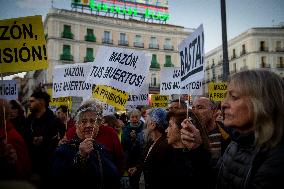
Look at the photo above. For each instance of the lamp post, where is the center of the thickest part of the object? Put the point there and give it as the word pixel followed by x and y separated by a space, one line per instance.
pixel 224 41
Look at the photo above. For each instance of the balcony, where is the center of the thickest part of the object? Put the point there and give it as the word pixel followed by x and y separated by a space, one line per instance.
pixel 90 38
pixel 67 34
pixel 154 89
pixel 207 68
pixel 107 41
pixel 89 59
pixel 220 62
pixel 278 49
pixel 153 46
pixel 280 65
pixel 243 52
pixel 264 65
pixel 233 71
pixel 233 57
pixel 123 43
pixel 67 57
pixel 169 47
pixel 138 44
pixel 263 49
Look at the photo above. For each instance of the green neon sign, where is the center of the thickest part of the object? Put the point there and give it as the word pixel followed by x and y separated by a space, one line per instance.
pixel 128 10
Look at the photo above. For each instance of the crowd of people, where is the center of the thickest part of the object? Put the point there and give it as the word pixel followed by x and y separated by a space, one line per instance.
pixel 237 143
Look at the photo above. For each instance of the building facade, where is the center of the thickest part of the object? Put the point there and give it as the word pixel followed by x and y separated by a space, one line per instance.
pixel 256 48
pixel 75 37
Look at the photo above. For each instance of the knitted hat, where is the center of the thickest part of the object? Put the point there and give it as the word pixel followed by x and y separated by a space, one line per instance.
pixel 159 116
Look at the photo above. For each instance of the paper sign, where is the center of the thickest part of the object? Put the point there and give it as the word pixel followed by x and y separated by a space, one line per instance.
pixel 23 46
pixel 191 52
pixel 159 101
pixel 8 89
pixel 217 91
pixel 123 69
pixel 111 96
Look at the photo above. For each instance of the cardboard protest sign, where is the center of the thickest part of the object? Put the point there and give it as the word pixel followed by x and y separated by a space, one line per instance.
pixel 159 101
pixel 217 91
pixel 56 102
pixel 137 98
pixel 69 80
pixel 111 96
pixel 123 69
pixel 23 46
pixel 108 109
pixel 170 83
pixel 8 89
pixel 191 52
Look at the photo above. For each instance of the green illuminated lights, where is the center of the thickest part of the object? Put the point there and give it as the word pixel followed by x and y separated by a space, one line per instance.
pixel 131 11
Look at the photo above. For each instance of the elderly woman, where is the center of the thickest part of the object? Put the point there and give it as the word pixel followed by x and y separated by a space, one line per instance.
pixel 82 161
pixel 187 166
pixel 157 152
pixel 254 108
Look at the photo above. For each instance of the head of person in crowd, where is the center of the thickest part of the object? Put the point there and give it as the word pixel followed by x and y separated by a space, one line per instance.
pixel 175 118
pixel 17 109
pixel 255 103
pixel 88 119
pixel 62 113
pixel 204 108
pixel 112 121
pixel 123 118
pixel 177 104
pixel 156 120
pixel 134 117
pixel 39 102
pixel 218 113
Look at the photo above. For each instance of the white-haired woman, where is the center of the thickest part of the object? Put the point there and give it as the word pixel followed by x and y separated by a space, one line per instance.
pixel 82 161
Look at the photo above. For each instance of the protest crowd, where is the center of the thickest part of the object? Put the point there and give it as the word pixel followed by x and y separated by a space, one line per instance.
pixel 237 143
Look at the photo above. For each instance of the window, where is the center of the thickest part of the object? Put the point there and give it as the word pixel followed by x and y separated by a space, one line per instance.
pixel 153 43
pixel 67 32
pixel 66 53
pixel 278 45
pixel 243 49
pixel 107 37
pixel 89 55
pixel 138 41
pixel 122 39
pixel 168 44
pixel 262 46
pixel 154 62
pixel 90 35
pixel 234 53
pixel 168 62
pixel 153 80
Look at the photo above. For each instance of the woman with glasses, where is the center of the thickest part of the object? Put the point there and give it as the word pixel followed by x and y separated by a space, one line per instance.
pixel 82 161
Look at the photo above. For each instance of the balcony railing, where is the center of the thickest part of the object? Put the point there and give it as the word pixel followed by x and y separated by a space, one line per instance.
pixel 107 41
pixel 153 46
pixel 138 44
pixel 263 49
pixel 264 65
pixel 244 68
pixel 278 49
pixel 168 47
pixel 67 35
pixel 243 52
pixel 90 38
pixel 123 42
pixel 67 57
pixel 89 59
pixel 233 57
pixel 280 65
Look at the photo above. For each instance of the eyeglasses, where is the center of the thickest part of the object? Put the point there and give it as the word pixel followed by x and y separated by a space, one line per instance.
pixel 92 121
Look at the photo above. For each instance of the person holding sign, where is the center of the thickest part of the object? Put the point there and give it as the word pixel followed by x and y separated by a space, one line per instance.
pixel 82 162
pixel 14 158
pixel 187 166
pixel 254 109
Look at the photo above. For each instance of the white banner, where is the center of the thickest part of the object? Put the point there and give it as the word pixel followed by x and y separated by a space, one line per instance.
pixel 191 52
pixel 139 97
pixel 8 89
pixel 121 68
pixel 69 80
pixel 170 83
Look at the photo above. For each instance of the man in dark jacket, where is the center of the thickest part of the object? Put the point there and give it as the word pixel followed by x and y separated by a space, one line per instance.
pixel 43 132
